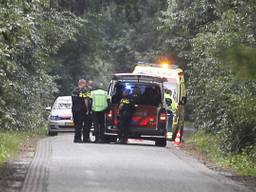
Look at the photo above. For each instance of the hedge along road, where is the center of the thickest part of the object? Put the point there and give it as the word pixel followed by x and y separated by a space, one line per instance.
pixel 60 165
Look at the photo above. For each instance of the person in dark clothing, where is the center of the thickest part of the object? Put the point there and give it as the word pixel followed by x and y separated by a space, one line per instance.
pixel 90 87
pixel 125 112
pixel 79 109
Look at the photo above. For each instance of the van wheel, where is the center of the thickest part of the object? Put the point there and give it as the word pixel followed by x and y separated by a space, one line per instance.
pixel 161 142
pixel 52 133
pixel 110 138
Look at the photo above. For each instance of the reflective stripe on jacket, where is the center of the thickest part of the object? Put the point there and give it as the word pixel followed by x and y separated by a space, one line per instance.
pixel 171 103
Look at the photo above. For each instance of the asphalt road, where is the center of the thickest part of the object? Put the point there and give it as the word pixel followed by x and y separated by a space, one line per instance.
pixel 62 166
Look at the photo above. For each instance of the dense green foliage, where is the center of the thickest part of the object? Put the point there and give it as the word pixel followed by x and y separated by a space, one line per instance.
pixel 113 40
pixel 217 39
pixel 30 32
pixel 208 143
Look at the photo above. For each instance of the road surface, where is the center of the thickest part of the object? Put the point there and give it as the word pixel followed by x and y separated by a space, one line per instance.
pixel 62 166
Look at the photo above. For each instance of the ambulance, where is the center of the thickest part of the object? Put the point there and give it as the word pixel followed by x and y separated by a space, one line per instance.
pixel 176 84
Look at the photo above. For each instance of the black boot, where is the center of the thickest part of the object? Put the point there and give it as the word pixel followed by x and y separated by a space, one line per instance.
pixel 121 141
pixel 86 140
pixel 77 140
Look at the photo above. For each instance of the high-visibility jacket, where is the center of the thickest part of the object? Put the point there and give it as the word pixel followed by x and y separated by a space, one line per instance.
pixel 85 95
pixel 99 100
pixel 171 103
pixel 128 105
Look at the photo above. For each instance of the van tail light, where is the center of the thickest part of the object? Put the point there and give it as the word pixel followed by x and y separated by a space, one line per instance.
pixel 110 114
pixel 163 116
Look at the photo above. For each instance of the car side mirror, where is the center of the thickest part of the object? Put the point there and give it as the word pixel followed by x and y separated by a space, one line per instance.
pixel 183 100
pixel 48 109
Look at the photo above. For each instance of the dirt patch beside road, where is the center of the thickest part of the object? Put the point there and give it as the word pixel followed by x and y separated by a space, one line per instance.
pixel 13 172
pixel 248 181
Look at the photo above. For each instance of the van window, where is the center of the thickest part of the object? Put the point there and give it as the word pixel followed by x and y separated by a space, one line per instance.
pixel 141 93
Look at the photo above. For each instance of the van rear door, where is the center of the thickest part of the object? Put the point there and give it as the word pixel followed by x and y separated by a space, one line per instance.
pixel 147 100
pixel 144 116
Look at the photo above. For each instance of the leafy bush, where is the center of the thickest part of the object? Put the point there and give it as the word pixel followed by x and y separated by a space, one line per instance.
pixel 210 144
pixel 217 40
pixel 30 32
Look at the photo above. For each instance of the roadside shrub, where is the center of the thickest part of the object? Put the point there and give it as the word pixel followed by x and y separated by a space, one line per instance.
pixel 31 32
pixel 244 163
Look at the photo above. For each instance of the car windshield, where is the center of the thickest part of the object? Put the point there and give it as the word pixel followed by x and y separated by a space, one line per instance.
pixel 141 93
pixel 62 105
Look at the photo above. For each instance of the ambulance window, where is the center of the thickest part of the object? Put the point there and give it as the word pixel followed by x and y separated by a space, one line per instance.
pixel 174 88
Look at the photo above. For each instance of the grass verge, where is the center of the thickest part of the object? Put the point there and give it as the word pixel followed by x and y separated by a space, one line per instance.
pixel 11 141
pixel 243 164
pixel 188 123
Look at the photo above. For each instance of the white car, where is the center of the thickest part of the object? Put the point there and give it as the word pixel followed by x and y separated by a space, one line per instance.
pixel 60 118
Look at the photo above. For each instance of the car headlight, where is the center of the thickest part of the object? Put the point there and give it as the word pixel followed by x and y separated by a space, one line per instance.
pixel 54 117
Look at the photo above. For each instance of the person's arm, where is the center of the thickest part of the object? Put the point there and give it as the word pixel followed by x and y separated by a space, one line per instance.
pixel 75 92
pixel 173 106
pixel 88 101
pixel 108 99
pixel 120 108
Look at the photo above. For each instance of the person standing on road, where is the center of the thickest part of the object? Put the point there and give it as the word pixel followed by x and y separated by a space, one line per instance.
pixel 90 88
pixel 171 108
pixel 79 110
pixel 100 103
pixel 90 85
pixel 124 112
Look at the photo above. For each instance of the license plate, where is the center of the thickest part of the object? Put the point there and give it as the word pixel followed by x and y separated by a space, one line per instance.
pixel 69 124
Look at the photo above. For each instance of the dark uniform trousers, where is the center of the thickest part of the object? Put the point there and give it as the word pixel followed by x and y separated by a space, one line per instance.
pixel 99 124
pixel 81 119
pixel 123 128
pixel 170 121
pixel 82 125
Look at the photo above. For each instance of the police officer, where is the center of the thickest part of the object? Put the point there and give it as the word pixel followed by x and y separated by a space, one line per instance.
pixel 90 85
pixel 90 88
pixel 125 112
pixel 79 110
pixel 100 104
pixel 171 109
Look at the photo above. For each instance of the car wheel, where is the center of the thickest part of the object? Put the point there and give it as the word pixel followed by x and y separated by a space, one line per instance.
pixel 52 133
pixel 110 138
pixel 161 142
